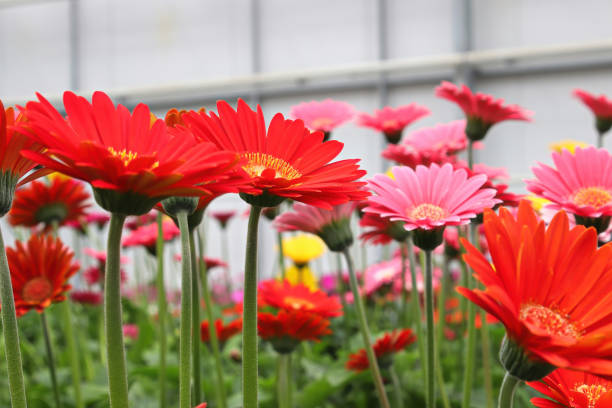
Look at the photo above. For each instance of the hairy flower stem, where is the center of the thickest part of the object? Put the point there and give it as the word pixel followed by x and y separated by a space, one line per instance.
pixel 404 317
pixel 225 256
pixel 249 331
pixel 185 330
pixel 283 381
pixel 281 254
pixel 113 321
pixel 50 359
pixel 11 333
pixel 161 311
pixel 74 353
pixel 600 139
pixel 431 357
pixel 195 323
pixel 416 304
pixel 365 332
pixel 398 400
pixel 212 331
pixel 506 392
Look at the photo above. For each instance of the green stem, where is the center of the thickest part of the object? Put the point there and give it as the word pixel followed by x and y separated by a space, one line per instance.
pixel 404 318
pixel 89 370
pixel 486 359
pixel 74 353
pixel 195 323
pixel 365 332
pixel 249 331
pixel 11 333
pixel 506 392
pixel 431 359
pixel 214 341
pixel 225 255
pixel 398 400
pixel 470 349
pixel 113 321
pixel 281 255
pixel 161 311
pixel 185 330
pixel 442 300
pixel 470 154
pixel 50 359
pixel 416 304
pixel 600 139
pixel 283 381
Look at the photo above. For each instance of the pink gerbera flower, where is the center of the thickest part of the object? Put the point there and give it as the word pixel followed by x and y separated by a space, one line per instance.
pixel 437 144
pixel 392 121
pixel 325 115
pixel 332 226
pixel 428 199
pixel 580 184
pixel 379 230
pixel 481 110
pixel 601 107
pixel 223 216
pixel 146 235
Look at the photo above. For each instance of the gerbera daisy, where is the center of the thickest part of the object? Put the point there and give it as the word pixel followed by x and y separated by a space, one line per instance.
pixel 569 145
pixel 572 389
pixel 332 226
pixel 382 274
pixel 135 222
pixel 146 235
pixel 601 107
pixel 131 331
pixel 287 161
pixel 86 297
pixel 296 275
pixel 59 200
pixel 40 271
pixel 380 230
pixel 392 121
pixel 563 321
pixel 579 185
pixel 481 110
pixel 223 216
pixel 384 348
pixel 323 116
pixel 288 328
pixel 283 295
pixel 131 163
pixel 224 331
pixel 429 198
pixel 303 248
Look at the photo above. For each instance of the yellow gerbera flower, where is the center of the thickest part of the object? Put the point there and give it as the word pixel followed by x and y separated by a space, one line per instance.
pixel 537 202
pixel 303 248
pixel 567 144
pixel 303 275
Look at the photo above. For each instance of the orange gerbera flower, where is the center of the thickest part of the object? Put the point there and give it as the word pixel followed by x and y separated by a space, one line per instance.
pixel 62 199
pixel 131 162
pixel 572 389
pixel 550 289
pixel 384 348
pixel 287 329
pixel 40 270
pixel 288 297
pixel 286 161
pixel 224 331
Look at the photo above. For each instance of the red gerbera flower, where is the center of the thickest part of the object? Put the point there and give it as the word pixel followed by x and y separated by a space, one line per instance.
pixel 601 107
pixel 381 230
pixel 384 348
pixel 86 297
pixel 61 200
pixel 40 270
pixel 392 121
pixel 284 295
pixel 224 331
pixel 223 216
pixel 565 319
pixel 481 110
pixel 572 389
pixel 131 163
pixel 286 161
pixel 146 235
pixel 292 327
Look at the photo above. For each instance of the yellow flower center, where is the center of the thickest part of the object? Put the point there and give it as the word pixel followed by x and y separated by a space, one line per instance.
pixel 37 290
pixel 595 197
pixel 592 392
pixel 298 303
pixel 125 155
pixel 320 123
pixel 551 321
pixel 257 163
pixel 427 211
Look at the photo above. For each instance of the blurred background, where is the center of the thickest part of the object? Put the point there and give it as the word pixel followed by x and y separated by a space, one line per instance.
pixel 277 53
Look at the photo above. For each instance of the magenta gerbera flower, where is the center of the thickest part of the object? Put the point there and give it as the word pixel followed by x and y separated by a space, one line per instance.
pixel 380 230
pixel 325 115
pixel 481 110
pixel 437 144
pixel 601 107
pixel 392 121
pixel 580 184
pixel 429 198
pixel 333 226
